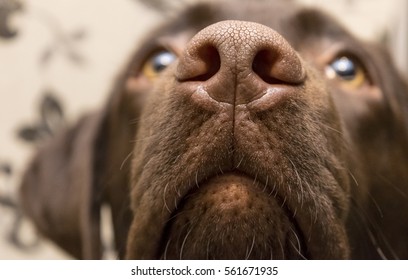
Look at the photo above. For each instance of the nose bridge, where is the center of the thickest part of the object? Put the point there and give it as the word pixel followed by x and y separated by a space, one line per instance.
pixel 235 41
pixel 238 61
pixel 239 42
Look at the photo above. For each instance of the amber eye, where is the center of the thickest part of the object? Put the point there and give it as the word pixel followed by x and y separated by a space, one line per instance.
pixel 348 70
pixel 157 62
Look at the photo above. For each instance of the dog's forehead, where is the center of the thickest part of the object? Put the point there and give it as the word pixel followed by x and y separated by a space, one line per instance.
pixel 294 22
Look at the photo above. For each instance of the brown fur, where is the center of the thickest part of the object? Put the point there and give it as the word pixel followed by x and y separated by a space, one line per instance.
pixel 241 148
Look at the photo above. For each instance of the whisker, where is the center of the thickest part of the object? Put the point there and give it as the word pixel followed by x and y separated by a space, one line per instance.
pixel 282 250
pixel 294 212
pixel 125 160
pixel 184 243
pixel 175 203
pixel 176 215
pixel 299 247
pixel 176 159
pixel 248 254
pixel 376 205
pixel 208 250
pixel 256 178
pixel 164 198
pixel 352 176
pixel 266 184
pixel 221 171
pixel 315 203
pixel 273 190
pixel 177 191
pixel 239 163
pixel 284 201
pixel 134 121
pixel 166 249
pixel 196 179
pixel 300 197
pixel 374 242
pixel 366 221
pixel 395 188
pixel 326 126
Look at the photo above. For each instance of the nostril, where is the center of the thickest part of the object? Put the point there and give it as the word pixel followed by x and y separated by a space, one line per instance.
pixel 278 65
pixel 262 65
pixel 210 56
pixel 203 64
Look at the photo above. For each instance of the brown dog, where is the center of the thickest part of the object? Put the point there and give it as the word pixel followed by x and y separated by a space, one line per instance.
pixel 258 130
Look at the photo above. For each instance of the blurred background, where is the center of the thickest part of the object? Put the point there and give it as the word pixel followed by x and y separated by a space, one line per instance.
pixel 58 59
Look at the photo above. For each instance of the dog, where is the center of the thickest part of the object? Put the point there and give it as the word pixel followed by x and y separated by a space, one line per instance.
pixel 262 130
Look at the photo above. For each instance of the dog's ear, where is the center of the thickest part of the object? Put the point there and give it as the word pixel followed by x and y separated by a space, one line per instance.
pixel 59 191
pixel 76 171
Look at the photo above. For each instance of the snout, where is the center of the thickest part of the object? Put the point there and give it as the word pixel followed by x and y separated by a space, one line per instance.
pixel 238 62
pixel 233 159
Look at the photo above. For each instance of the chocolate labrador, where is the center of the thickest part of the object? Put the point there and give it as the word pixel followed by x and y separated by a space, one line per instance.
pixel 258 130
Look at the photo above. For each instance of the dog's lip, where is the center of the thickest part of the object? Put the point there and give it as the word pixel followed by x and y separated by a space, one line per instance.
pixel 291 215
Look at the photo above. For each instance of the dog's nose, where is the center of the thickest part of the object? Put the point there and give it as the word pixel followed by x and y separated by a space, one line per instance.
pixel 238 62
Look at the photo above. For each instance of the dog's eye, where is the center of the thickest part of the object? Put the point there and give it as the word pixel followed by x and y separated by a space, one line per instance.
pixel 157 62
pixel 347 69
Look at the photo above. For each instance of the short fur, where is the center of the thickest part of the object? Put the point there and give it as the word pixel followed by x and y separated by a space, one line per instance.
pixel 241 148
